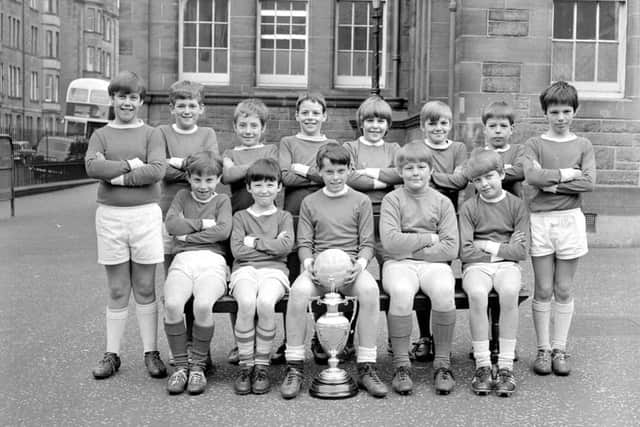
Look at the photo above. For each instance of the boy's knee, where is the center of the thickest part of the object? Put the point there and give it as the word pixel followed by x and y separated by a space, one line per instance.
pixel 477 297
pixel 265 308
pixel 173 308
pixel 442 298
pixel 400 303
pixel 202 309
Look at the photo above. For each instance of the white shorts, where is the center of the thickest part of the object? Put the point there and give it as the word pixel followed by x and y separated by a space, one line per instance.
pixel 510 275
pixel 561 232
pixel 200 263
pixel 129 233
pixel 167 240
pixel 258 275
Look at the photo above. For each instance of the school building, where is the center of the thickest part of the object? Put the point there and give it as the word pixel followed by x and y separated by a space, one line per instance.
pixel 466 53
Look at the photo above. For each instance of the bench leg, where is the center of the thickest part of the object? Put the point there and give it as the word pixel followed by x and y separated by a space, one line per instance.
pixel 494 319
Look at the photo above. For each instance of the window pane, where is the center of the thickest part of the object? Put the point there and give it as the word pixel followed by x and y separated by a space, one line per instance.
pixel 283 20
pixel 220 61
pixel 282 62
pixel 267 5
pixel 189 60
pixel 266 29
pixel 190 10
pixel 205 35
pixel 220 39
pixel 586 26
pixel 344 64
pixel 344 38
pixel 562 60
pixel 297 5
pixel 361 13
pixel 266 62
pixel 282 44
pixel 267 19
pixel 282 29
pixel 298 29
pixel 297 44
pixel 267 43
pixel 204 60
pixel 189 34
pixel 221 11
pixel 360 38
pixel 344 12
pixel 299 20
pixel 585 62
pixel 297 62
pixel 360 64
pixel 206 10
pixel 563 20
pixel 608 62
pixel 608 24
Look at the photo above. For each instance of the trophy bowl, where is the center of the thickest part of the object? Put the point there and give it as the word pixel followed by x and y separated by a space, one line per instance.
pixel 332 268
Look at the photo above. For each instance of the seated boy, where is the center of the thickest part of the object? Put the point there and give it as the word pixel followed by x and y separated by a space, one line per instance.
pixel 494 236
pixel 261 238
pixel 335 217
pixel 200 221
pixel 420 236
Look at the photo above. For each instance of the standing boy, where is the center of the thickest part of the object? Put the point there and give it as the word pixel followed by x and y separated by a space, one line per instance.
pixel 560 166
pixel 261 238
pixel 130 165
pixel 446 177
pixel 200 221
pixel 335 217
pixel 249 123
pixel 420 237
pixel 494 236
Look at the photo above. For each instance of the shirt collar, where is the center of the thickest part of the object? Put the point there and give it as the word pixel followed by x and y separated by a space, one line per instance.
pixel 444 146
pixel 338 194
pixel 500 150
pixel 304 137
pixel 371 144
pixel 176 129
pixel 137 124
pixel 569 137
pixel 265 213
pixel 497 199
pixel 245 147
pixel 203 201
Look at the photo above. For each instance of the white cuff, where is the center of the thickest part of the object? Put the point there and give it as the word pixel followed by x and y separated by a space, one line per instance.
pixel 508 166
pixel 363 263
pixel 176 162
pixel 249 241
pixel 378 185
pixel 207 223
pixel 372 172
pixel 567 174
pixel 492 247
pixel 303 169
pixel 306 264
pixel 435 238
pixel 118 180
pixel 182 238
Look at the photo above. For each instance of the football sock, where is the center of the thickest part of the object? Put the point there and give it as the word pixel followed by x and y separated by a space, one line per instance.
pixel 201 341
pixel 443 324
pixel 400 334
pixel 294 353
pixel 177 339
pixel 245 341
pixel 366 355
pixel 507 353
pixel 481 353
pixel 264 339
pixel 116 322
pixel 562 314
pixel 541 321
pixel 147 315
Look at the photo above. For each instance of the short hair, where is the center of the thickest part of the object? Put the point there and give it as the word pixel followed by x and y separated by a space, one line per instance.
pixel 203 163
pixel 186 89
pixel 559 93
pixel 264 170
pixel 483 161
pixel 126 82
pixel 374 106
pixel 498 110
pixel 335 153
pixel 432 111
pixel 251 107
pixel 313 97
pixel 414 152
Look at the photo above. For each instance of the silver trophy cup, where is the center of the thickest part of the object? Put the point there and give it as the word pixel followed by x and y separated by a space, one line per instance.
pixel 333 330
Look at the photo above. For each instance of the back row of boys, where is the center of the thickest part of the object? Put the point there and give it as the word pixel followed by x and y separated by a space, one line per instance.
pixel 418 232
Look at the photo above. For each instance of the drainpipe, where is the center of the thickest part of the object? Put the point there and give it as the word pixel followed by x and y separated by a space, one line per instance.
pixel 452 50
pixel 425 53
pixel 395 56
pixel 149 40
pixel 24 75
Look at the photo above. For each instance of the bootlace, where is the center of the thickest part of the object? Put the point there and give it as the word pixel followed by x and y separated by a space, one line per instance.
pixel 403 373
pixel 292 375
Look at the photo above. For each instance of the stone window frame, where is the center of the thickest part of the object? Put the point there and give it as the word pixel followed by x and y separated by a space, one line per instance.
pixel 206 78
pixel 594 89
pixel 360 81
pixel 267 43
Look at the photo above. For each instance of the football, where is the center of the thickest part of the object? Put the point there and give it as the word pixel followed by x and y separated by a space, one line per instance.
pixel 332 267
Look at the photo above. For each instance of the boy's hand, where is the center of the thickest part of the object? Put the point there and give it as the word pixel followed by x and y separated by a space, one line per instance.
pixel 508 166
pixel 100 156
pixel 435 239
pixel 550 189
pixel 282 235
pixel 135 163
pixel 182 238
pixel 353 273
pixel 118 180
pixel 208 223
pixel 569 174
pixel 227 163
pixel 300 169
pixel 480 244
pixel 249 241
pixel 518 237
pixel 176 162
pixel 372 172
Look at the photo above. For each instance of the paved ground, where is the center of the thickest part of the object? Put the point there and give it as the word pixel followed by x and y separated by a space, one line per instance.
pixel 52 306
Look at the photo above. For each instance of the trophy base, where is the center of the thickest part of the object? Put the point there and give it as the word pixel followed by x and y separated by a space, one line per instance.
pixel 333 384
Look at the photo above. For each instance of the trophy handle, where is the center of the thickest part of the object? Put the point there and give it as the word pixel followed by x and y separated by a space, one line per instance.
pixel 355 308
pixel 311 300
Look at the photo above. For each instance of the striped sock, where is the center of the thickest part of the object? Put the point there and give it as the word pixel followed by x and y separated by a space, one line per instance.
pixel 264 340
pixel 245 341
pixel 481 353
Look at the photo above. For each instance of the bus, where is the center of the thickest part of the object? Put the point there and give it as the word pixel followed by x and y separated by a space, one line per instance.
pixel 88 107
